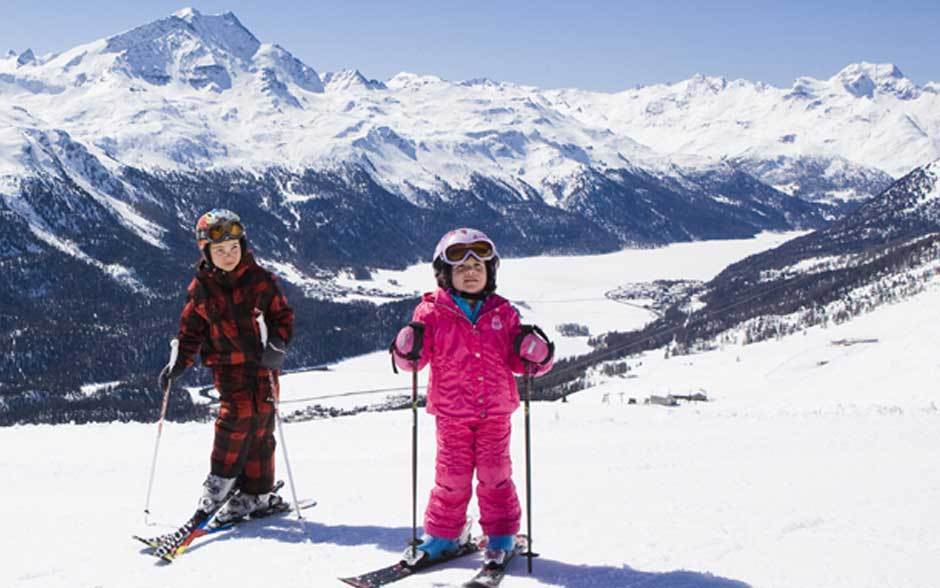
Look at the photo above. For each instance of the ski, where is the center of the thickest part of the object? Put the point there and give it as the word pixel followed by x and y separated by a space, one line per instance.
pixel 165 546
pixel 491 576
pixel 401 570
pixel 154 542
pixel 172 545
pixel 209 527
pixel 283 509
pixel 194 528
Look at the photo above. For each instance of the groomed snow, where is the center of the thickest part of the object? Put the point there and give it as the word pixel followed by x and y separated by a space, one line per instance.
pixel 813 466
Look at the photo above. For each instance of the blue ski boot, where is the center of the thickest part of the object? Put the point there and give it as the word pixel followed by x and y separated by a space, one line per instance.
pixel 499 549
pixel 432 547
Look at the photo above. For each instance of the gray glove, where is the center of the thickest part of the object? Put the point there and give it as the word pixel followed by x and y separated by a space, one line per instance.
pixel 170 373
pixel 273 355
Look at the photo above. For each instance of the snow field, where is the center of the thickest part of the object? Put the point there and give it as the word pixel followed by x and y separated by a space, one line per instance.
pixel 812 465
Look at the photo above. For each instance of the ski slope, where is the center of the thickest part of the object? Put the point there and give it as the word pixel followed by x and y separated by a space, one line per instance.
pixel 813 465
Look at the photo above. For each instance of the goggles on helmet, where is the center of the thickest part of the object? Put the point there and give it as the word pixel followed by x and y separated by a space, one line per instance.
pixel 460 252
pixel 224 231
pixel 218 225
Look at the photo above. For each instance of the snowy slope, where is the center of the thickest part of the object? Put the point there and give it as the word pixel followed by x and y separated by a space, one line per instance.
pixel 776 494
pixel 813 466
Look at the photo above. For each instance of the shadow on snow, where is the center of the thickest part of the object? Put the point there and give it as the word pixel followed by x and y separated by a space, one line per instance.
pixel 395 540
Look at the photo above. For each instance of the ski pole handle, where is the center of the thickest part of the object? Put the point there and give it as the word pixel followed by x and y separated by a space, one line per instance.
pixel 262 329
pixel 174 352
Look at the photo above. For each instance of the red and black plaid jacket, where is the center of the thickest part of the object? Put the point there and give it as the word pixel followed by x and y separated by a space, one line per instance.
pixel 219 318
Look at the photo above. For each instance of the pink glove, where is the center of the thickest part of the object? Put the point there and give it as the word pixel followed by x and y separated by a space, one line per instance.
pixel 533 345
pixel 405 340
pixel 406 348
pixel 408 341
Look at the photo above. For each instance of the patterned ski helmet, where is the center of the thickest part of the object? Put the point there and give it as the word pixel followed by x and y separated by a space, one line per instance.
pixel 216 226
pixel 463 243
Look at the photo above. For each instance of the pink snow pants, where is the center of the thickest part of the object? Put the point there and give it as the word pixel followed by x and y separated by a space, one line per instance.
pixel 465 444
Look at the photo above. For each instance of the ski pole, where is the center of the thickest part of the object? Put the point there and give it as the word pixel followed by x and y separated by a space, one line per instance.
pixel 414 460
pixel 174 351
pixel 528 467
pixel 276 399
pixel 414 357
pixel 280 430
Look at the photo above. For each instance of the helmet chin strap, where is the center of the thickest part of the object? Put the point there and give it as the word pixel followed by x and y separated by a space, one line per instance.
pixel 207 257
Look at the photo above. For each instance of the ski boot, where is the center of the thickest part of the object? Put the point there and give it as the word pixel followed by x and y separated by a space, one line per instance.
pixel 215 490
pixel 432 547
pixel 498 550
pixel 244 505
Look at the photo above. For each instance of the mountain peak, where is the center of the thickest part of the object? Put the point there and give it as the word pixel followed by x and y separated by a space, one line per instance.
pixel 191 31
pixel 863 79
pixel 702 84
pixel 484 82
pixel 875 71
pixel 187 13
pixel 26 57
pixel 276 59
pixel 206 22
pixel 912 201
pixel 408 79
pixel 350 79
pixel 202 50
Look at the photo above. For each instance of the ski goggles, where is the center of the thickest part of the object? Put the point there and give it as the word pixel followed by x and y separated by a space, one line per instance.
pixel 224 231
pixel 459 252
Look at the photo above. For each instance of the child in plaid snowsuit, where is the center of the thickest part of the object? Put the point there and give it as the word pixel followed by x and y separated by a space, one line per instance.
pixel 220 321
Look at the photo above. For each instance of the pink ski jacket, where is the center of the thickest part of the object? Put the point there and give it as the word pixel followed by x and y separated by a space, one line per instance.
pixel 472 366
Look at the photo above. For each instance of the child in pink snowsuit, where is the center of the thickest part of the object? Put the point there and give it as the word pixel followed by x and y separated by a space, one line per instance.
pixel 473 340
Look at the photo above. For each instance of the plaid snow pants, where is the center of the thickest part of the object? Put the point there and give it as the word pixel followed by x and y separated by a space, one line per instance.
pixel 244 430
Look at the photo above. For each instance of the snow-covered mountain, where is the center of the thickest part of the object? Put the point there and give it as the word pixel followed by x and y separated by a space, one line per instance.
pixel 195 91
pixel 884 252
pixel 868 114
pixel 110 150
pixel 831 180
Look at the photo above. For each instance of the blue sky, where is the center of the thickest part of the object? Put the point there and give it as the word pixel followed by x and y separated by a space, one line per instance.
pixel 599 45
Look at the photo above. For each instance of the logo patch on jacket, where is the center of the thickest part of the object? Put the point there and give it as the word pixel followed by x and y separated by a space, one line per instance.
pixel 496 323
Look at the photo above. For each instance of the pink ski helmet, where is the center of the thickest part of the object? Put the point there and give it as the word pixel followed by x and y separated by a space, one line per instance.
pixel 456 247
